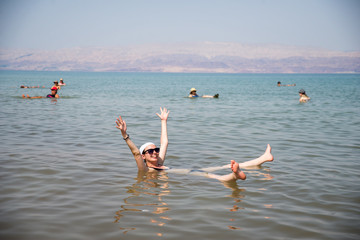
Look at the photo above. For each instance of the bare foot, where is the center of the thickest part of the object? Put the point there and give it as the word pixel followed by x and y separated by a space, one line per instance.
pixel 267 155
pixel 237 171
pixel 23 96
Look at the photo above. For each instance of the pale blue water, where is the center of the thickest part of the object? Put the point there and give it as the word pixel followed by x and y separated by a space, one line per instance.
pixel 66 173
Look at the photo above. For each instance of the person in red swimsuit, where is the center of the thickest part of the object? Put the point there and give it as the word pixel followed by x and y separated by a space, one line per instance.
pixel 53 94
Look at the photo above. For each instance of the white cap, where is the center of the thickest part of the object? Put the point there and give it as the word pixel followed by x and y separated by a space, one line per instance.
pixel 142 148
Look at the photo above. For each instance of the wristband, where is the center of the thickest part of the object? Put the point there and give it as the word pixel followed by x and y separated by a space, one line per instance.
pixel 127 137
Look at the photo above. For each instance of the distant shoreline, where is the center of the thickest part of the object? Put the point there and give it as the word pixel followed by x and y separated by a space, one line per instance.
pixel 204 57
pixel 74 71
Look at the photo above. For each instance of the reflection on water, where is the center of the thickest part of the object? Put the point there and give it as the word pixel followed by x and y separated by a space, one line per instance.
pixel 153 184
pixel 262 175
pixel 146 201
pixel 238 194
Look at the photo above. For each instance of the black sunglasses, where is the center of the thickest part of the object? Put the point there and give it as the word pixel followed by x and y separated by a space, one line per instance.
pixel 151 151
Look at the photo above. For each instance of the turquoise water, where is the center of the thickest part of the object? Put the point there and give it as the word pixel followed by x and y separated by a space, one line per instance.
pixel 66 173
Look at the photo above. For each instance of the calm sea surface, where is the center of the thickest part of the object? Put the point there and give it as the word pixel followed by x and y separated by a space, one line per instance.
pixel 66 172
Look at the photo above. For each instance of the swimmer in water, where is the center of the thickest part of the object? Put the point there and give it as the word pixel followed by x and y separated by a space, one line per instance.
pixel 151 158
pixel 53 94
pixel 193 94
pixel 285 85
pixel 22 86
pixel 303 96
pixel 62 82
pixel 56 84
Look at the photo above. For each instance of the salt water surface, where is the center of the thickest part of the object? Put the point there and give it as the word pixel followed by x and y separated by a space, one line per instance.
pixel 66 172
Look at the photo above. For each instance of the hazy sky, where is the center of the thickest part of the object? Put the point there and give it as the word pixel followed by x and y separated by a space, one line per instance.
pixel 56 24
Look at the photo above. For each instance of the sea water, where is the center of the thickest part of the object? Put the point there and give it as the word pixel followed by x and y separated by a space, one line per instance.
pixel 66 172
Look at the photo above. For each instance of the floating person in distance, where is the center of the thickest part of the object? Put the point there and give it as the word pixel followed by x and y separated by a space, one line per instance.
pixel 61 82
pixel 193 94
pixel 53 94
pixel 303 96
pixel 285 85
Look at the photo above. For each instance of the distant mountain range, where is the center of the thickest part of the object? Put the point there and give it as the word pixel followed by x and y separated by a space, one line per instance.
pixel 204 57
